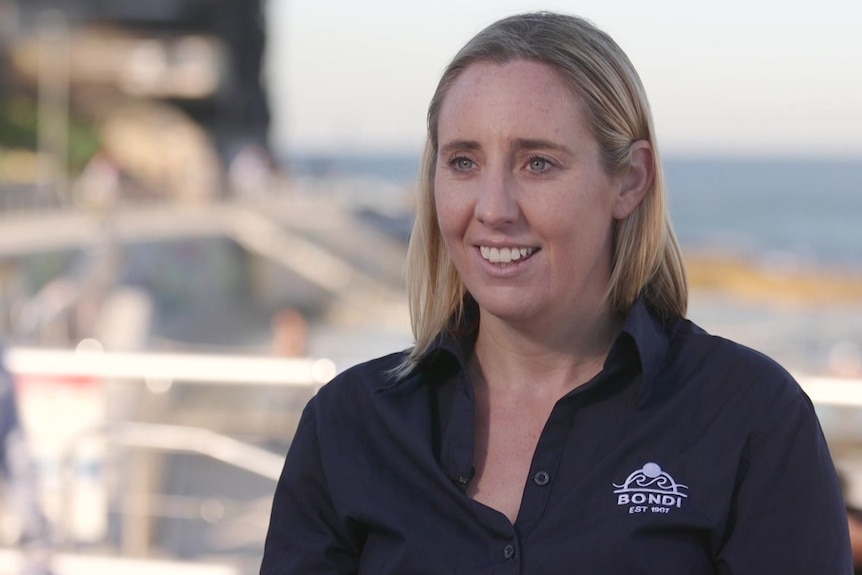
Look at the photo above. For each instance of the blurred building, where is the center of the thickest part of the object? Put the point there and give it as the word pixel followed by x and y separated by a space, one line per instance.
pixel 203 56
pixel 142 98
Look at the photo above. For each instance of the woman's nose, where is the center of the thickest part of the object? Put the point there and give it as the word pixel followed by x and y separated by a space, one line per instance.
pixel 496 202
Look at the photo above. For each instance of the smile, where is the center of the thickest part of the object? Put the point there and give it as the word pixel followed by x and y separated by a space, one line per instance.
pixel 505 255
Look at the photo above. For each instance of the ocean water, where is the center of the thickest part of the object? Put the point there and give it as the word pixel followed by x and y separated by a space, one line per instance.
pixel 808 211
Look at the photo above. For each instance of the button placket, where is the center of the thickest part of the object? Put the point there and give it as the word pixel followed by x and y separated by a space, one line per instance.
pixel 545 463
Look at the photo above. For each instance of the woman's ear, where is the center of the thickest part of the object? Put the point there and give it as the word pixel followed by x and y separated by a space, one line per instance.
pixel 636 179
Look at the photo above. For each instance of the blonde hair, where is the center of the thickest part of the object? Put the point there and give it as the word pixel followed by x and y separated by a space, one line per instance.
pixel 646 257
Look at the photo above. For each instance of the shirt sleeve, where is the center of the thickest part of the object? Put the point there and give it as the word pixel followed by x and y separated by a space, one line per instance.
pixel 788 515
pixel 305 533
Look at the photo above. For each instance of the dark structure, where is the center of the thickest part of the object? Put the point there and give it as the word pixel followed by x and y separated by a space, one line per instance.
pixel 237 113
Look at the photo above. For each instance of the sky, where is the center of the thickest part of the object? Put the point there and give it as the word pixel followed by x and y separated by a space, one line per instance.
pixel 773 78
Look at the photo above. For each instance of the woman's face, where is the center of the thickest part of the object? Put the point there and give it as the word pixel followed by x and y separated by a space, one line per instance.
pixel 525 207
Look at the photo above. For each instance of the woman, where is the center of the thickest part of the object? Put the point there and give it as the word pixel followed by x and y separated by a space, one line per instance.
pixel 557 414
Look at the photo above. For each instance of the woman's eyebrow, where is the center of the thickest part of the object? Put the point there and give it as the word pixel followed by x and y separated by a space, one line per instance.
pixel 460 145
pixel 539 144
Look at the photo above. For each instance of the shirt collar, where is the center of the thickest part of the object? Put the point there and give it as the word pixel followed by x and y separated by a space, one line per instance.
pixel 651 338
pixel 450 349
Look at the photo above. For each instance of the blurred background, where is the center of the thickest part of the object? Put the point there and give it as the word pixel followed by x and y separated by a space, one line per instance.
pixel 204 210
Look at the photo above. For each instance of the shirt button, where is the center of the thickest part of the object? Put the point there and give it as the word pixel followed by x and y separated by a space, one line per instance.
pixel 541 478
pixel 509 551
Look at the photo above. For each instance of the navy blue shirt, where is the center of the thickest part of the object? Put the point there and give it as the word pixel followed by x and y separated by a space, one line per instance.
pixel 687 454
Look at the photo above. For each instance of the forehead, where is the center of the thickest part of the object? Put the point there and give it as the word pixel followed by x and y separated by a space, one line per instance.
pixel 510 95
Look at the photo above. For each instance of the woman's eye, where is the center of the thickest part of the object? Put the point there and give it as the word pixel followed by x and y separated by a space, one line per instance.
pixel 539 164
pixel 461 163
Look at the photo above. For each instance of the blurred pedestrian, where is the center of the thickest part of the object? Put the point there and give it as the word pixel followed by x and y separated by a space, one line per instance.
pixel 853 503
pixel 289 333
pixel 854 523
pixel 21 482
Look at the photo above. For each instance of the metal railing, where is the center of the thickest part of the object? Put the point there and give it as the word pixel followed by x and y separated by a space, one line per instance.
pixel 190 368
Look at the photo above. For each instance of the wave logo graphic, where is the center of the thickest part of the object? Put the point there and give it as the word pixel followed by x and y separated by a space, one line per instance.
pixel 650 489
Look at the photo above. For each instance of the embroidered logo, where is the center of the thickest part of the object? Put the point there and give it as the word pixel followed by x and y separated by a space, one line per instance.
pixel 649 489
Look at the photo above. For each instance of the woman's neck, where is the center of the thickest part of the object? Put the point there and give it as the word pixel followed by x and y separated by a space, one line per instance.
pixel 560 357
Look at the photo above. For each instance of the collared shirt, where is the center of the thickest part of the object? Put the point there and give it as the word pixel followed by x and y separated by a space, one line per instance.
pixel 687 454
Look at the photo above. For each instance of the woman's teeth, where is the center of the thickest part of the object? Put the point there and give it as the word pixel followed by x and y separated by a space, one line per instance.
pixel 504 255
